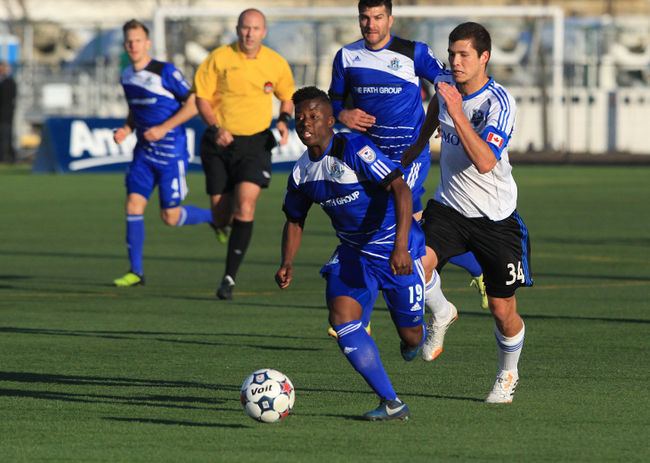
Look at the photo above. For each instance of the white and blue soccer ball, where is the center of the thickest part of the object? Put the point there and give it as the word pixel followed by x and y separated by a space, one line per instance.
pixel 267 395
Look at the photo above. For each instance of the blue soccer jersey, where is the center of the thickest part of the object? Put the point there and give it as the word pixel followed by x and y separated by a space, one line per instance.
pixel 154 94
pixel 385 83
pixel 349 182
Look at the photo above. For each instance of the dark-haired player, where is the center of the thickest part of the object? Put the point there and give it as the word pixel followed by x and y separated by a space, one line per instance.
pixel 370 208
pixel 475 205
pixel 380 74
pixel 159 102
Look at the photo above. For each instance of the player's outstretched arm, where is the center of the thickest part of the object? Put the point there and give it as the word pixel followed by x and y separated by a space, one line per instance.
pixel 476 148
pixel 291 239
pixel 400 259
pixel 184 114
pixel 429 125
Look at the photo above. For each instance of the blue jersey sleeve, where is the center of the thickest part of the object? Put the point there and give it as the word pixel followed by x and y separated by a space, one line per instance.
pixel 370 162
pixel 296 204
pixel 426 64
pixel 338 90
pixel 174 81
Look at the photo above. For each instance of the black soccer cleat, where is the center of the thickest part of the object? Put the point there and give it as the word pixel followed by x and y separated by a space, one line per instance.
pixel 225 290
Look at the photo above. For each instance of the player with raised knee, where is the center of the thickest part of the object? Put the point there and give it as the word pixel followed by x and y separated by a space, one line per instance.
pixel 159 102
pixel 475 205
pixel 370 208
pixel 380 74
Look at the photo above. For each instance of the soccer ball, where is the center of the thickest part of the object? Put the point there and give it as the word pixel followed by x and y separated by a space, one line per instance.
pixel 267 395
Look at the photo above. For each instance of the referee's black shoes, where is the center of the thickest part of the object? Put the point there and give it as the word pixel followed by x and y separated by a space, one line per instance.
pixel 225 290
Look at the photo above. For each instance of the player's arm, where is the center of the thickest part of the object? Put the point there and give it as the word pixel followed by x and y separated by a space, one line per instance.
pixel 400 259
pixel 184 114
pixel 286 110
pixel 429 126
pixel 120 134
pixel 355 119
pixel 476 148
pixel 291 239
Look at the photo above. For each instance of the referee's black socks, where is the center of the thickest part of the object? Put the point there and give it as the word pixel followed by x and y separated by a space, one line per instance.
pixel 240 238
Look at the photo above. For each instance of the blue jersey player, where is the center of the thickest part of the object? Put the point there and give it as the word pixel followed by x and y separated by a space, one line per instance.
pixel 159 103
pixel 370 208
pixel 381 74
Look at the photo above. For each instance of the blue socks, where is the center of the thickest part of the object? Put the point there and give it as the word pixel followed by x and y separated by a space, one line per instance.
pixel 192 215
pixel 468 262
pixel 135 241
pixel 361 351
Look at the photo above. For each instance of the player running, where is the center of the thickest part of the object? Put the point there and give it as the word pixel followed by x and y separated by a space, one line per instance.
pixel 370 207
pixel 159 102
pixel 381 74
pixel 475 204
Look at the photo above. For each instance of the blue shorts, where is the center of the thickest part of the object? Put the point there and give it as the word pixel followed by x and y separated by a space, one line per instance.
pixel 352 274
pixel 415 175
pixel 145 172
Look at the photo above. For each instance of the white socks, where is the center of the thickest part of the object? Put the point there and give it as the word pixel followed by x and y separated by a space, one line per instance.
pixel 434 301
pixel 509 348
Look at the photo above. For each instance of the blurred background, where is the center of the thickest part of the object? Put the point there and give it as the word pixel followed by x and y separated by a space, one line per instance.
pixel 580 69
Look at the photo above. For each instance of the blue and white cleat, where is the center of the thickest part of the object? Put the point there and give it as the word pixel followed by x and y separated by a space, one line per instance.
pixel 389 410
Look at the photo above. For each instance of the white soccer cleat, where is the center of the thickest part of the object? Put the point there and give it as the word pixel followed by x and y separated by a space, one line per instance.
pixel 504 387
pixel 436 330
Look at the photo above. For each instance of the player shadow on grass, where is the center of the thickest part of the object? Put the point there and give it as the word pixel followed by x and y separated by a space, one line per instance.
pixel 175 422
pixel 529 316
pixel 153 257
pixel 151 336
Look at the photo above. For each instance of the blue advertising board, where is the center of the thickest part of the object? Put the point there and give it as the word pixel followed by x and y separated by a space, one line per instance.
pixel 78 145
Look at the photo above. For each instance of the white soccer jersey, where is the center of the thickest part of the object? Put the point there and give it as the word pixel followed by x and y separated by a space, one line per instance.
pixel 491 111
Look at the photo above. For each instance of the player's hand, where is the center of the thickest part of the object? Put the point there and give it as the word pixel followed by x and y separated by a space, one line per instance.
pixel 223 137
pixel 284 276
pixel 452 98
pixel 356 119
pixel 155 133
pixel 401 262
pixel 120 135
pixel 283 128
pixel 411 153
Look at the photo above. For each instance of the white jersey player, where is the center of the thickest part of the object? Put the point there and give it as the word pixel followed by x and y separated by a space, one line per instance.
pixel 474 208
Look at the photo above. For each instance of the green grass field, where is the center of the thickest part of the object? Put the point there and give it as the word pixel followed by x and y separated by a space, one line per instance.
pixel 89 372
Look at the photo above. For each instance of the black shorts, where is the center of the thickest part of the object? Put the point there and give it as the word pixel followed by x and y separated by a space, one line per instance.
pixel 246 159
pixel 502 247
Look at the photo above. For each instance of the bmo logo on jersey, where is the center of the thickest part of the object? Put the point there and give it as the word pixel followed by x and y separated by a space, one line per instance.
pixel 450 138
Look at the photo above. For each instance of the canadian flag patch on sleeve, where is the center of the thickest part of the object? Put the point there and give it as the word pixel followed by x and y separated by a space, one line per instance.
pixel 495 139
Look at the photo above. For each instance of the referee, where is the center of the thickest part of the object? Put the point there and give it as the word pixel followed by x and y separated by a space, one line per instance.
pixel 234 88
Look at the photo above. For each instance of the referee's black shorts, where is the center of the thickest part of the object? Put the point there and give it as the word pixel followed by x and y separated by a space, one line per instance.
pixel 501 247
pixel 246 159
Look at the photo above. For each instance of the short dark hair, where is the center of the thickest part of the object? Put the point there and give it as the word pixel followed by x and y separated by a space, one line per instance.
pixel 475 32
pixel 134 24
pixel 310 93
pixel 365 4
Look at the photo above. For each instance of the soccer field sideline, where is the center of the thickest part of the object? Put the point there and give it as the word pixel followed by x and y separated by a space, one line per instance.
pixel 92 372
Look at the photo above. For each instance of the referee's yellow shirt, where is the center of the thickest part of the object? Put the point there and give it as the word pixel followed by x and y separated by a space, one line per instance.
pixel 240 89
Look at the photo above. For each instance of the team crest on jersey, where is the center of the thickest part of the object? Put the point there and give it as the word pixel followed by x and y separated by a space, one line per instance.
pixel 477 117
pixel 367 154
pixel 268 87
pixel 394 64
pixel 334 167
